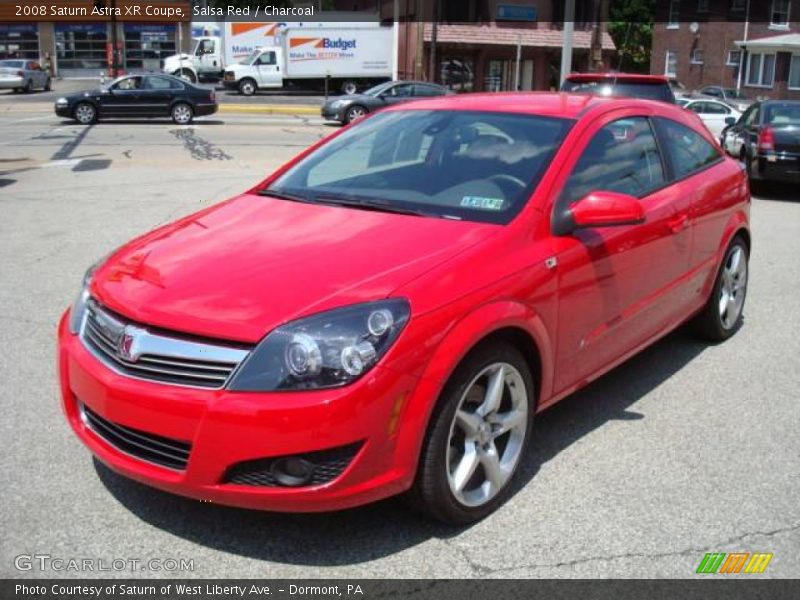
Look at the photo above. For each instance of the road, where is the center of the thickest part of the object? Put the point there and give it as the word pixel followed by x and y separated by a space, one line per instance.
pixel 686 449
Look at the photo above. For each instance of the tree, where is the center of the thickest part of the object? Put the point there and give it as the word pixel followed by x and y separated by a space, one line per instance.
pixel 631 27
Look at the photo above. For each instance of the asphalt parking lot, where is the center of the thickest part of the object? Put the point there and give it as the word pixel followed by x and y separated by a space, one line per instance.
pixel 686 449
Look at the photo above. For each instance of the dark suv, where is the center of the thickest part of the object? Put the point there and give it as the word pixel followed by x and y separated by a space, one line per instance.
pixel 632 85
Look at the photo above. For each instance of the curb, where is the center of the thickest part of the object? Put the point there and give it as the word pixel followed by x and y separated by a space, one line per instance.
pixel 270 109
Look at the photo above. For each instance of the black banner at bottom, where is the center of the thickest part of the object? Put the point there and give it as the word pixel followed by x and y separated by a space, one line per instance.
pixel 422 589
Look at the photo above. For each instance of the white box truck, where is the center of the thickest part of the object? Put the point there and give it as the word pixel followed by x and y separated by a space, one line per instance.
pixel 252 56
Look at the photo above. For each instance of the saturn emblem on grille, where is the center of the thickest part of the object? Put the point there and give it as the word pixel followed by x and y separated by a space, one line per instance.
pixel 127 346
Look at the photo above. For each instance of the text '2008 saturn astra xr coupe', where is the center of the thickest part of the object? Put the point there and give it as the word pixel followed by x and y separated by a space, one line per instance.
pixel 386 313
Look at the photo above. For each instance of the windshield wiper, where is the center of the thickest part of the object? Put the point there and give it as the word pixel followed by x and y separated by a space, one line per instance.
pixel 369 204
pixel 284 196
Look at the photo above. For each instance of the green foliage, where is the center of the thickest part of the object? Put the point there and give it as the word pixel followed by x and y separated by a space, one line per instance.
pixel 631 27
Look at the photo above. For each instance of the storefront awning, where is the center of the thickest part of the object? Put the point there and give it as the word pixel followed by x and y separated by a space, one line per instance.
pixel 788 42
pixel 490 34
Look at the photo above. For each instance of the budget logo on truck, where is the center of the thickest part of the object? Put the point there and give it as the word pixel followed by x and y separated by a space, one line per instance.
pixel 324 43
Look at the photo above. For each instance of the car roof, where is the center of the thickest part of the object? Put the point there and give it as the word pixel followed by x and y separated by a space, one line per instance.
pixel 554 104
pixel 622 77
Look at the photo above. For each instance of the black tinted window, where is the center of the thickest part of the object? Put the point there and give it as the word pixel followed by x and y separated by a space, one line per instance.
pixel 787 113
pixel 161 83
pixel 622 157
pixel 609 87
pixel 688 150
pixel 427 90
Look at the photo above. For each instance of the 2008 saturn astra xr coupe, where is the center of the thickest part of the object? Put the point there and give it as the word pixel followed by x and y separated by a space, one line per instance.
pixel 389 311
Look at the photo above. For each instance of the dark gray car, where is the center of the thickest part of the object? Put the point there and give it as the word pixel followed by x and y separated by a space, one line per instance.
pixel 349 108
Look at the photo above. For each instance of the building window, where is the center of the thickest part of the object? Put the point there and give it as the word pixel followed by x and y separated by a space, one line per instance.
pixel 671 64
pixel 19 40
pixel 81 47
pixel 760 70
pixel 147 45
pixel 702 6
pixel 697 56
pixel 734 58
pixel 780 14
pixel 674 16
pixel 794 72
pixel 737 5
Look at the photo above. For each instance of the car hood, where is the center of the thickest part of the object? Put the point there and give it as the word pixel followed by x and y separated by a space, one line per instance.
pixel 241 268
pixel 85 94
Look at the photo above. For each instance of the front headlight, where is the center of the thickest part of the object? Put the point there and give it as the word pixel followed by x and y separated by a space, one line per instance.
pixel 327 350
pixel 62 102
pixel 79 306
pixel 338 104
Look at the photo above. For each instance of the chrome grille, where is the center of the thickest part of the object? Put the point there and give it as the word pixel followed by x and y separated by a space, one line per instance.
pixel 138 352
pixel 166 452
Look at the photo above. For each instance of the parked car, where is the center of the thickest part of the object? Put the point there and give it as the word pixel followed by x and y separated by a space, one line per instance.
pixel 354 106
pixel 767 139
pixel 735 98
pixel 714 114
pixel 23 76
pixel 388 311
pixel 139 96
pixel 632 85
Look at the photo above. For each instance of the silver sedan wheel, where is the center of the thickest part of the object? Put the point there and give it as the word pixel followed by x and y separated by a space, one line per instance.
pixel 487 434
pixel 733 288
pixel 182 114
pixel 355 113
pixel 85 113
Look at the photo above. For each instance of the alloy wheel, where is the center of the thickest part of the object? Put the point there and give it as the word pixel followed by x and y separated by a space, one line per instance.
pixel 733 287
pixel 84 113
pixel 487 434
pixel 182 114
pixel 355 113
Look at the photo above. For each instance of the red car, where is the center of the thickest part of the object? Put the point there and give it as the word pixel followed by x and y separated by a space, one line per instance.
pixel 387 312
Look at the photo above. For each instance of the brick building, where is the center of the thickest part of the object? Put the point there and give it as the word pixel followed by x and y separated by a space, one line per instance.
pixel 751 44
pixel 476 41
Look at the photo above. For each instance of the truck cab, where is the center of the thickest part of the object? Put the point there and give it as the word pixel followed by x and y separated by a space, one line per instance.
pixel 205 61
pixel 262 69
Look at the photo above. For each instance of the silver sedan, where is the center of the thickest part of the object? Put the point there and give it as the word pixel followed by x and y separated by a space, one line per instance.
pixel 23 76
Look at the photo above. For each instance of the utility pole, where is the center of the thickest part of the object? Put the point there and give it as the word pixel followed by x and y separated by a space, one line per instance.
pixel 519 60
pixel 566 50
pixel 420 42
pixel 395 40
pixel 599 15
pixel 743 49
pixel 432 70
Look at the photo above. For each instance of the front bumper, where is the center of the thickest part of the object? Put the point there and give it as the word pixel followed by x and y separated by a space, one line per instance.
pixel 332 114
pixel 227 428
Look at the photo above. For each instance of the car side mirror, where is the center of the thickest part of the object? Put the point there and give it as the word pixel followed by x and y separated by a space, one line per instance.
pixel 730 121
pixel 600 209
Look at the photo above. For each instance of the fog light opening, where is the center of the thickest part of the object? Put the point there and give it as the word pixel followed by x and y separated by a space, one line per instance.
pixel 292 471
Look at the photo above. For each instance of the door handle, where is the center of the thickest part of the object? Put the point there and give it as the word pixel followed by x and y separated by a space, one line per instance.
pixel 678 222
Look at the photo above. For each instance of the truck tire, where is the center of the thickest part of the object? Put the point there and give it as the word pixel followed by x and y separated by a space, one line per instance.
pixel 186 74
pixel 349 87
pixel 247 86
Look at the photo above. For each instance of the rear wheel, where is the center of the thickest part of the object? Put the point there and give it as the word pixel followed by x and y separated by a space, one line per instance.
pixel 182 113
pixel 85 113
pixel 247 87
pixel 723 314
pixel 477 435
pixel 354 113
pixel 349 87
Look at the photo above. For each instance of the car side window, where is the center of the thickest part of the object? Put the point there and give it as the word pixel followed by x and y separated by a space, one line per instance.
pixel 401 91
pixel 160 83
pixel 131 83
pixel 621 157
pixel 697 107
pixel 713 92
pixel 267 59
pixel 427 90
pixel 715 108
pixel 688 151
pixel 749 117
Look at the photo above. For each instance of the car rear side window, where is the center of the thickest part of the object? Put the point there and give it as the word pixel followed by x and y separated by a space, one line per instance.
pixel 621 157
pixel 688 151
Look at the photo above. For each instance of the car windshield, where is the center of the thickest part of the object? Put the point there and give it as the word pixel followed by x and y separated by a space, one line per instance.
pixel 782 114
pixel 377 89
pixel 250 58
pixel 608 87
pixel 479 166
pixel 14 64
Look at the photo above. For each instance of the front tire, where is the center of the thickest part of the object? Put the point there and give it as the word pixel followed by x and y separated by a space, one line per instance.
pixel 354 113
pixel 476 438
pixel 182 113
pixel 85 113
pixel 724 313
pixel 247 87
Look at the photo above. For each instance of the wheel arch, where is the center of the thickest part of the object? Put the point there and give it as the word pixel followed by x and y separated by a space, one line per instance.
pixel 507 320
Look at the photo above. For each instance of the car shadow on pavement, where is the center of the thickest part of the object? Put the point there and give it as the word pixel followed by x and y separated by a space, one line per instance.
pixel 165 121
pixel 780 192
pixel 362 534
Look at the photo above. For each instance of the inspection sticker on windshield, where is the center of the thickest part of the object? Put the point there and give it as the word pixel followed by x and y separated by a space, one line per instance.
pixel 482 203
